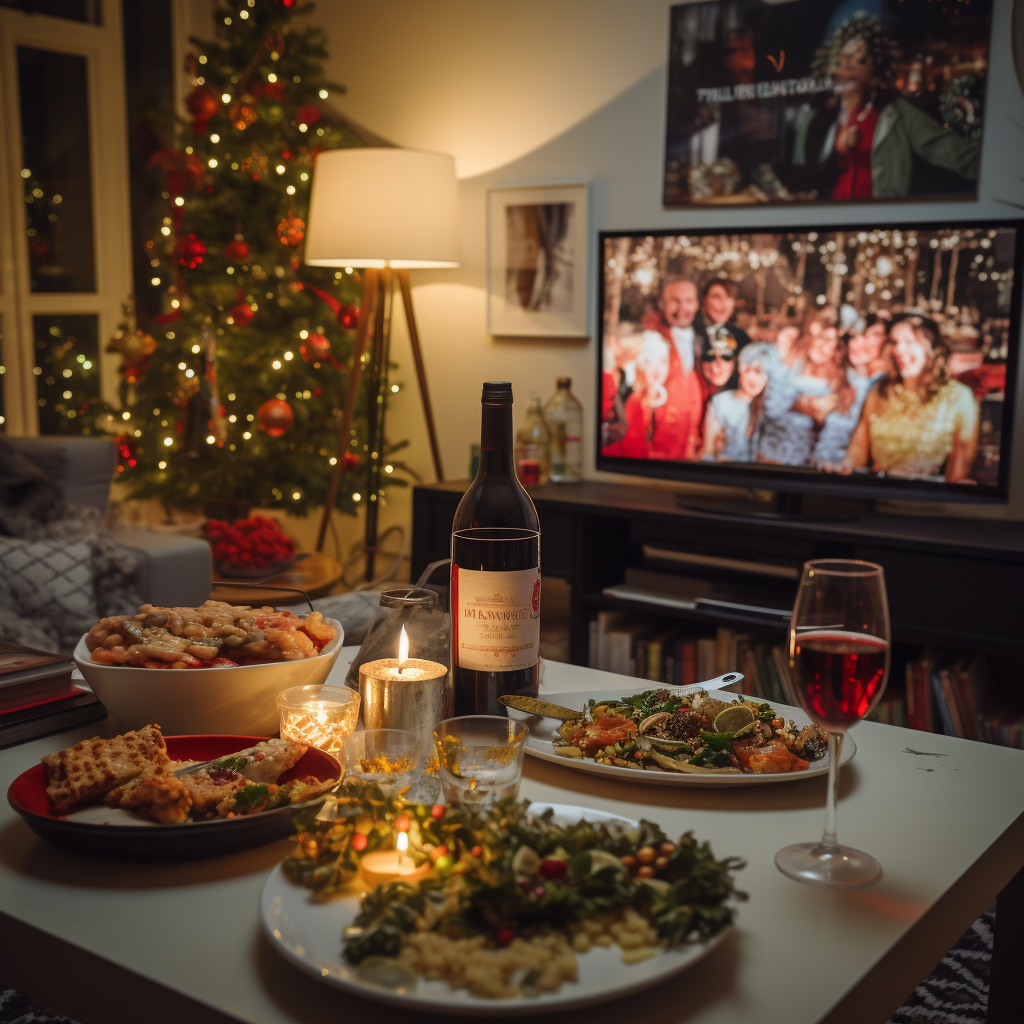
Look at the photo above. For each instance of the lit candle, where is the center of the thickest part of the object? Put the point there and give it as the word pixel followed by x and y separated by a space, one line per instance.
pixel 386 865
pixel 405 693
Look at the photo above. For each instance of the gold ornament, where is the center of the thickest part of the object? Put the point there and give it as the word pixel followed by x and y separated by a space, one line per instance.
pixel 135 348
pixel 242 114
pixel 255 165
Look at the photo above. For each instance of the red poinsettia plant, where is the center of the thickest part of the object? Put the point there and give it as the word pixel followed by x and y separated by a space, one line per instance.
pixel 253 543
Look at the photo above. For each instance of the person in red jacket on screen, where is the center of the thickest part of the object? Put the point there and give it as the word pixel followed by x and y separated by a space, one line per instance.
pixel 676 431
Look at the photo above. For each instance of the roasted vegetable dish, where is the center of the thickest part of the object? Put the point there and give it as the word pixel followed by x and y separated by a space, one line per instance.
pixel 690 733
pixel 513 895
pixel 214 635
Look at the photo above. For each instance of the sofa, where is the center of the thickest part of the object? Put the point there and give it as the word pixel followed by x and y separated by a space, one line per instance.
pixel 172 570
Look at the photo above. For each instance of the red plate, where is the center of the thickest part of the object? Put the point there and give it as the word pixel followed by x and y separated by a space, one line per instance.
pixel 27 795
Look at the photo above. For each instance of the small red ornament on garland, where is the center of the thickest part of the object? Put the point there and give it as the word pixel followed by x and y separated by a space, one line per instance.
pixel 315 348
pixel 275 417
pixel 242 313
pixel 348 316
pixel 237 249
pixel 190 251
pixel 202 103
pixel 291 230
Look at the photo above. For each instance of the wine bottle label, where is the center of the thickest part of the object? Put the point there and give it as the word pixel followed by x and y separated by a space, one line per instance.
pixel 497 625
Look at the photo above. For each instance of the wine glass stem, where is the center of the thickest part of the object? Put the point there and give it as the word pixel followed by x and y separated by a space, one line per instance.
pixel 835 748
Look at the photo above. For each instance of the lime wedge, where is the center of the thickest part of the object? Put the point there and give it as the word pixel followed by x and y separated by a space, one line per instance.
pixel 734 718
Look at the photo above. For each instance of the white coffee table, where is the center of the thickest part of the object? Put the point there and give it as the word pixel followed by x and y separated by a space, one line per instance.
pixel 108 942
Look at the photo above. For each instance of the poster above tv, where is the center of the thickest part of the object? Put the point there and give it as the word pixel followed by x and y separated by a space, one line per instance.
pixel 872 361
pixel 825 100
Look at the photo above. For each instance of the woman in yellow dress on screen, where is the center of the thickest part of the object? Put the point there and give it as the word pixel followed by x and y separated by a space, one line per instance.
pixel 918 422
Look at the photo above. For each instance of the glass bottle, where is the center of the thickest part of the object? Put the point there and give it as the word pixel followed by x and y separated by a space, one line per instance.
pixel 533 443
pixel 495 600
pixel 564 417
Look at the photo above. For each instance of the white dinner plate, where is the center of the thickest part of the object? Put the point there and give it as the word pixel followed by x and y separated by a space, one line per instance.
pixel 543 730
pixel 308 934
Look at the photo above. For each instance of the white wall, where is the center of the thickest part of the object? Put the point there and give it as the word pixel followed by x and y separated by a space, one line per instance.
pixel 558 92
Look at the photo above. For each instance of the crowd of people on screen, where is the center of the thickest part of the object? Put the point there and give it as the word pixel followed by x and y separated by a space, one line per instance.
pixel 687 383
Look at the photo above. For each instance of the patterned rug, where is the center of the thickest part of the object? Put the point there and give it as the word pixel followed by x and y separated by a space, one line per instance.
pixel 956 992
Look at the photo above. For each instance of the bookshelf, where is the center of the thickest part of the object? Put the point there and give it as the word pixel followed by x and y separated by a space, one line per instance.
pixel 639 551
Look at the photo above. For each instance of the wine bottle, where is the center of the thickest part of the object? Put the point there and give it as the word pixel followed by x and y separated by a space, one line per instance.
pixel 495 573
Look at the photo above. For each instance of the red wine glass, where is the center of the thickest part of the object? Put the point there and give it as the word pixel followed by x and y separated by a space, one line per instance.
pixel 839 653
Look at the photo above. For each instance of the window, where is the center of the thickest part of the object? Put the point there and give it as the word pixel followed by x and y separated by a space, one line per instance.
pixel 65 265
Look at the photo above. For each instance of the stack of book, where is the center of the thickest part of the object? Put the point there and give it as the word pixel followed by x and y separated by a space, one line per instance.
pixel 631 645
pixel 37 695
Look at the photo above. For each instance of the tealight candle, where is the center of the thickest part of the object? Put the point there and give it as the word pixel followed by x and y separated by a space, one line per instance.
pixel 386 865
pixel 405 693
pixel 319 716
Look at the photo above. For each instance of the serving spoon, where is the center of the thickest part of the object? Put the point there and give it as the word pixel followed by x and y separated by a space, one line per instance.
pixel 545 709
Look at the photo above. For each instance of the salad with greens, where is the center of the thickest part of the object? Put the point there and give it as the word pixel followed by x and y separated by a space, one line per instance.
pixel 693 733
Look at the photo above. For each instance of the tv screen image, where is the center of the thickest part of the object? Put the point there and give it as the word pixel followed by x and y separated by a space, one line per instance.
pixel 871 360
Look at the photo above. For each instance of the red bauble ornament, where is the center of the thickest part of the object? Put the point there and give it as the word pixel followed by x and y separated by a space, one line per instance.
pixel 237 249
pixel 348 316
pixel 271 90
pixel 190 251
pixel 242 314
pixel 349 461
pixel 275 417
pixel 202 103
pixel 308 114
pixel 316 347
pixel 291 230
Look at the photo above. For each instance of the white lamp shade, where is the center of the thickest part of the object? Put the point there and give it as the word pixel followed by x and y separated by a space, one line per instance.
pixel 376 207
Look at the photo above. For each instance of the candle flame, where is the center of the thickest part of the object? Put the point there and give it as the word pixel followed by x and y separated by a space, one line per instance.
pixel 402 842
pixel 403 649
pixel 321 713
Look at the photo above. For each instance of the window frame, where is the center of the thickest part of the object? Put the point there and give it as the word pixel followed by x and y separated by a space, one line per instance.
pixel 102 47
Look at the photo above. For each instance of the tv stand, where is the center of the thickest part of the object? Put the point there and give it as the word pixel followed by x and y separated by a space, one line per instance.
pixel 952 583
pixel 784 505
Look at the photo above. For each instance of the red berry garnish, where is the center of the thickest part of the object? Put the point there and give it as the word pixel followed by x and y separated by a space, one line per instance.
pixel 437 811
pixel 403 823
pixel 552 867
pixel 504 936
pixel 359 842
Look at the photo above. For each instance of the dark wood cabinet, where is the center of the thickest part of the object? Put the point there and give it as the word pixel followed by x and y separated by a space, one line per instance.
pixel 953 583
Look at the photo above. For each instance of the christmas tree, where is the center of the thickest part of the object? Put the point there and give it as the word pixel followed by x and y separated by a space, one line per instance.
pixel 230 398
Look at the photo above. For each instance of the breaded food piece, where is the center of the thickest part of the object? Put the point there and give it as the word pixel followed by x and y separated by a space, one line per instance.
pixel 210 786
pixel 87 771
pixel 269 760
pixel 157 793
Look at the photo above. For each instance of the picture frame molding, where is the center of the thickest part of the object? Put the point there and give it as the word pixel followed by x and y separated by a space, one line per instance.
pixel 503 321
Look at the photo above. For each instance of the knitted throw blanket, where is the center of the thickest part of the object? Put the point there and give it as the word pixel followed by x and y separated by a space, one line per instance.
pixel 58 577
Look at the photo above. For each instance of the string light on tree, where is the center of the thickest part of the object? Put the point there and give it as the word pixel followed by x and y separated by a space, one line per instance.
pixel 233 293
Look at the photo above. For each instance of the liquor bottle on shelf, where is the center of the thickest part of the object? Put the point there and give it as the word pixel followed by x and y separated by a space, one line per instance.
pixel 564 417
pixel 495 573
pixel 533 444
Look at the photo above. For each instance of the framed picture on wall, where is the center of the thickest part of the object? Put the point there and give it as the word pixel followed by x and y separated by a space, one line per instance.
pixel 537 262
pixel 825 101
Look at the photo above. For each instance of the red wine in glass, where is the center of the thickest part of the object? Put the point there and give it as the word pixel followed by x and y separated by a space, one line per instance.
pixel 841 674
pixel 839 653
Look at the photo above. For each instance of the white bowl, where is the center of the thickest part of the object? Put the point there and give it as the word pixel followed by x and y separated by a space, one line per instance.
pixel 185 701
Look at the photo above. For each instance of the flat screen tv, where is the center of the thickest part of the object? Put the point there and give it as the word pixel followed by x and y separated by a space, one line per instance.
pixel 874 361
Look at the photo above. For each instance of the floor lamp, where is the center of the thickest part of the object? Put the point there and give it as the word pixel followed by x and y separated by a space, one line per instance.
pixel 387 211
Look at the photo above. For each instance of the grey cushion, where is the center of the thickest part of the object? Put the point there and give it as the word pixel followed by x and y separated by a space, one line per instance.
pixel 80 466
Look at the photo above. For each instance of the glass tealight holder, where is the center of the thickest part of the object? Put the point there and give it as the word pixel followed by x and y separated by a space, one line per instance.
pixel 389 757
pixel 319 716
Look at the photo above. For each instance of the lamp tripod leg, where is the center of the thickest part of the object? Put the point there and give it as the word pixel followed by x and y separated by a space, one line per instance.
pixel 421 374
pixel 376 401
pixel 371 289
